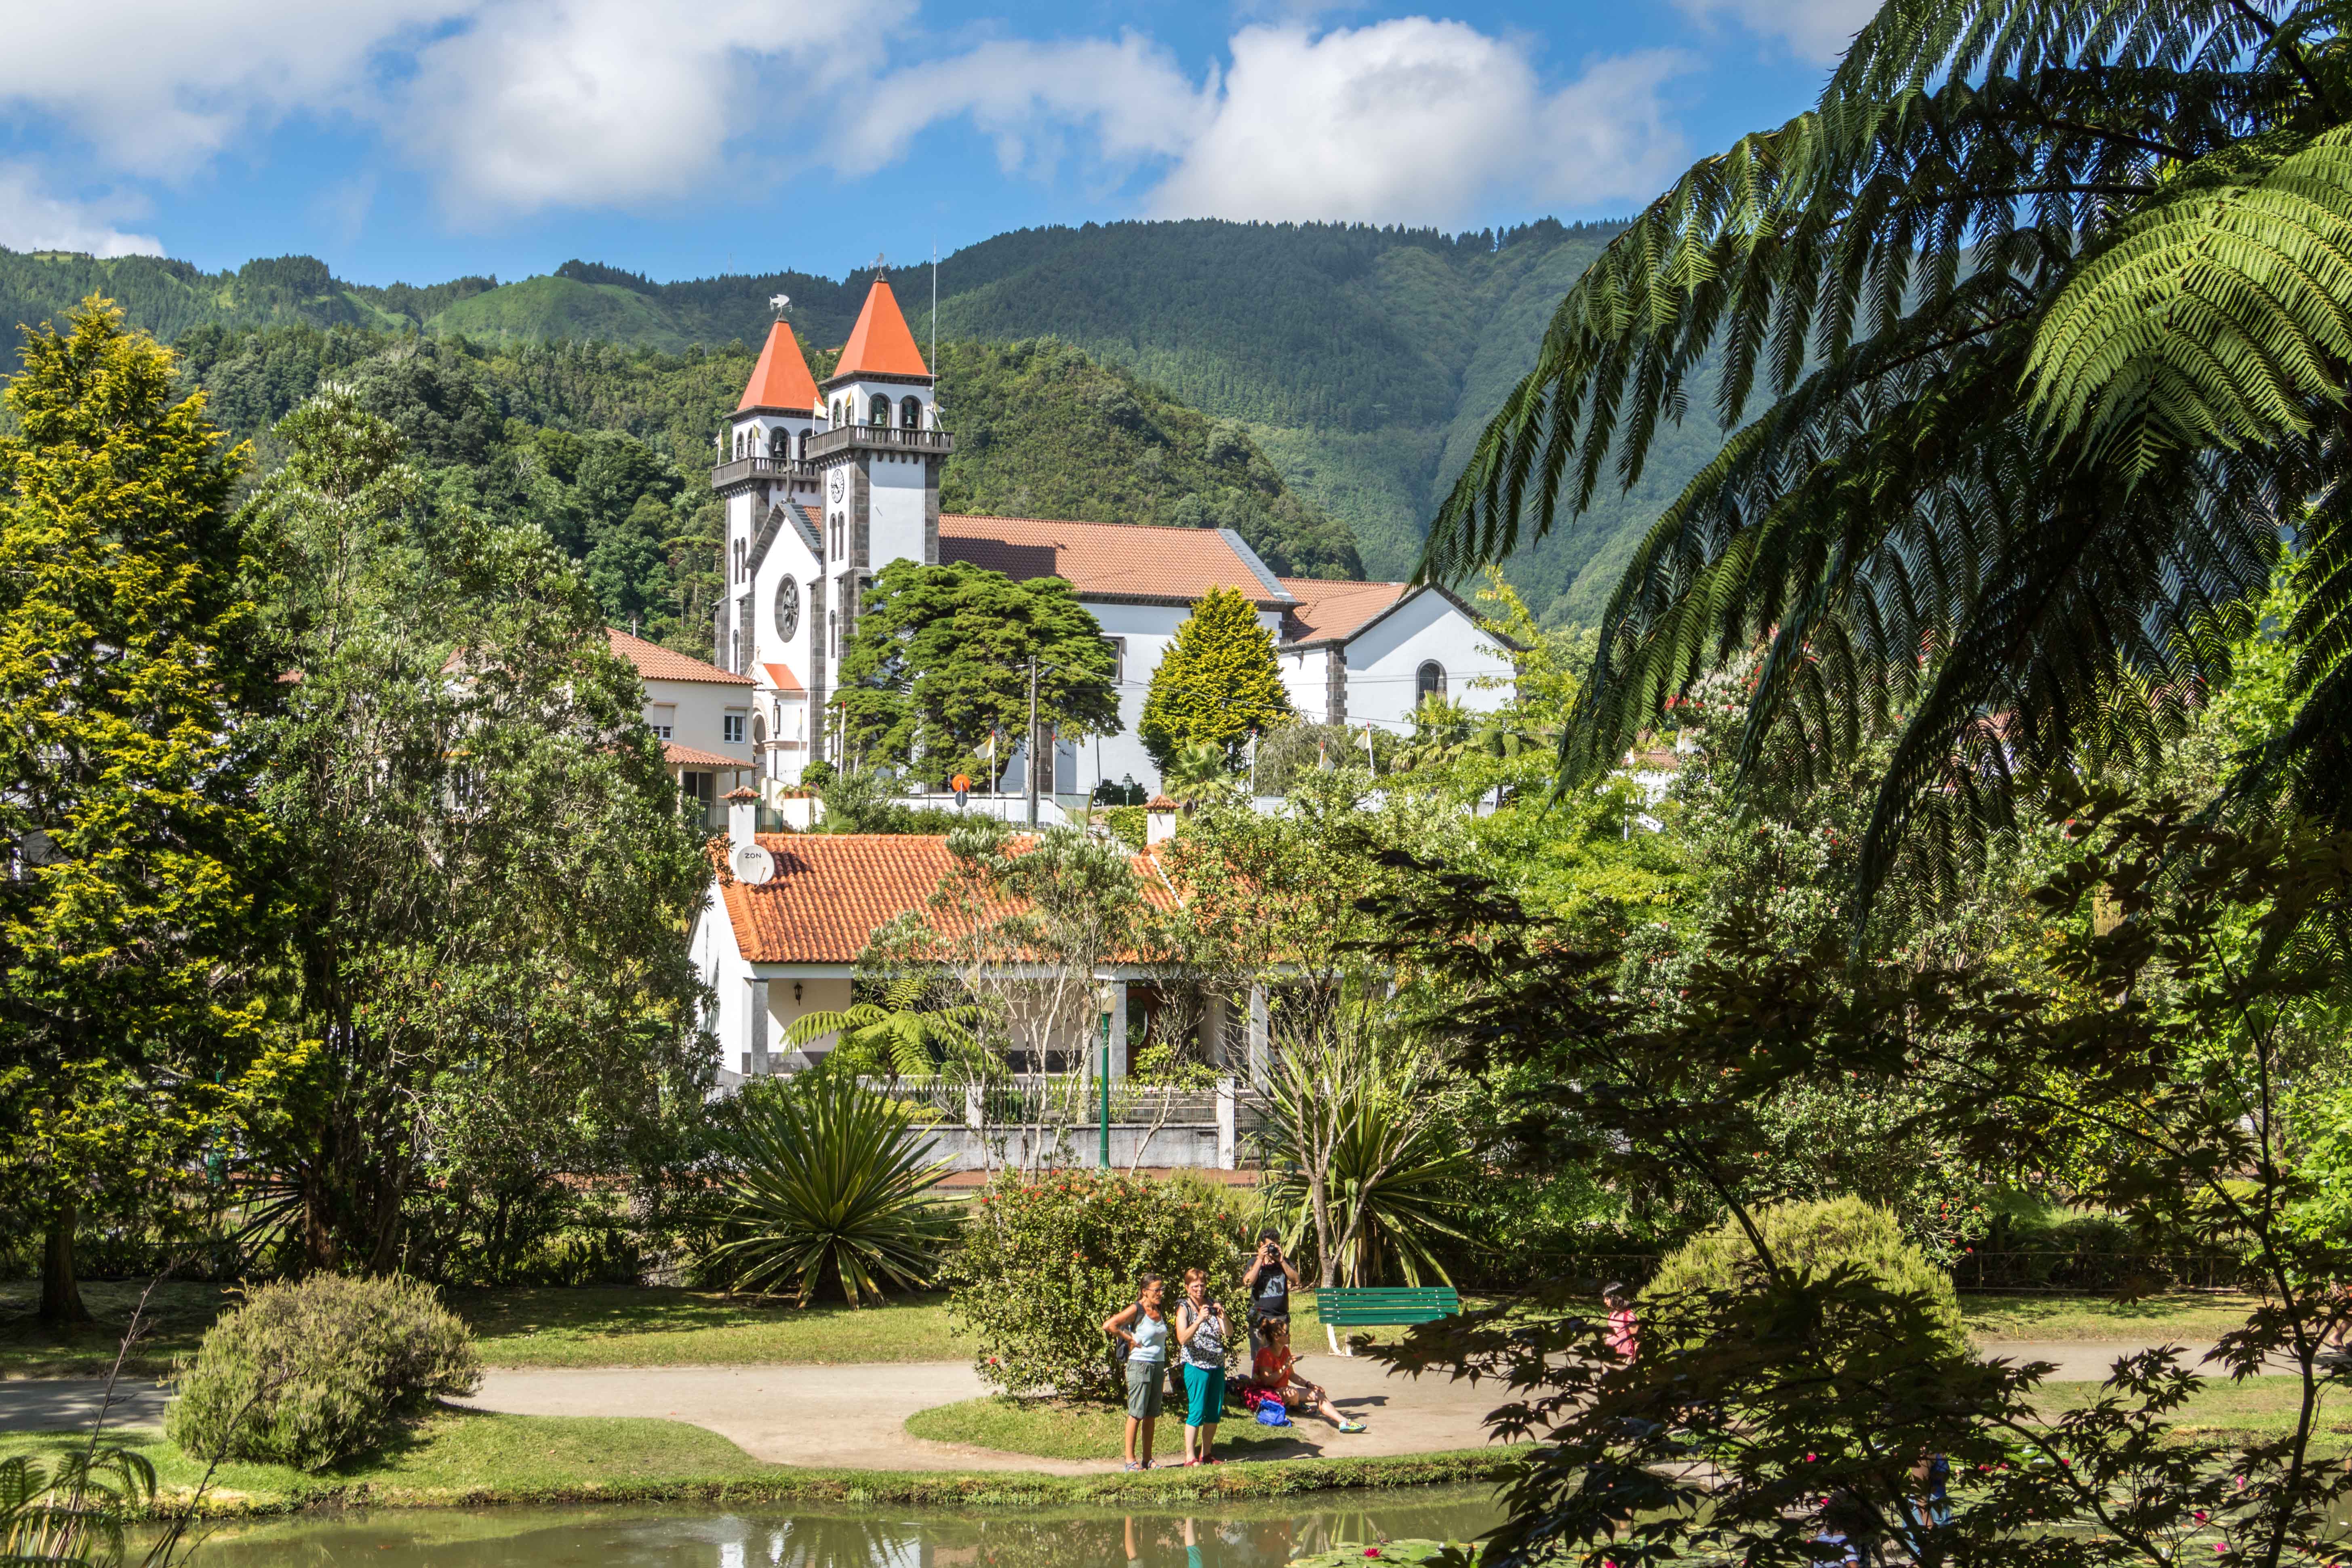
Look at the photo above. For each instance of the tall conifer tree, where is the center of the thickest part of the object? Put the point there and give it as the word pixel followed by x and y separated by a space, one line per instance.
pixel 125 801
pixel 1218 683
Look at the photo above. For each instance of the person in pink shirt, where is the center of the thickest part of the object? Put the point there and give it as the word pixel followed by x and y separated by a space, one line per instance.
pixel 1625 1329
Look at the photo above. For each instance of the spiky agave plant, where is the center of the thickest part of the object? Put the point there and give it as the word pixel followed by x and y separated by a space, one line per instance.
pixel 2031 339
pixel 828 1186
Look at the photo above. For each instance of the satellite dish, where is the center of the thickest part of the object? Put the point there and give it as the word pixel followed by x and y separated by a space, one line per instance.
pixel 753 865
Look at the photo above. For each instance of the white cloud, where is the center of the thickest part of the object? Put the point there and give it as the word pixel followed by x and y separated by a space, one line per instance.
pixel 31 218
pixel 158 87
pixel 1816 29
pixel 590 102
pixel 1130 95
pixel 1416 121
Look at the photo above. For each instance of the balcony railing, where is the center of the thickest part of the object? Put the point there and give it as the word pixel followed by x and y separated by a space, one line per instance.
pixel 740 470
pixel 885 436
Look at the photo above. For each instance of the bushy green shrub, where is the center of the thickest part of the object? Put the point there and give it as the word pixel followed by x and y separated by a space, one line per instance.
pixel 1816 1236
pixel 312 1372
pixel 1044 1261
pixel 1128 824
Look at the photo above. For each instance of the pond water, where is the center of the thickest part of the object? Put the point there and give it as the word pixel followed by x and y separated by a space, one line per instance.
pixel 1230 1535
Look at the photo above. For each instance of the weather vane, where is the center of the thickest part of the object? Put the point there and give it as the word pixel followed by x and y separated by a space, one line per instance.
pixel 881 263
pixel 780 303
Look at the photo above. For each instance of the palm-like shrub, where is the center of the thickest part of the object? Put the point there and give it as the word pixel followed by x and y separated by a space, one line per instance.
pixel 1815 1237
pixel 2030 338
pixel 828 1188
pixel 1366 1164
pixel 898 1038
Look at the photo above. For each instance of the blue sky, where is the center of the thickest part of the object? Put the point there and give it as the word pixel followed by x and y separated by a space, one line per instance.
pixel 418 140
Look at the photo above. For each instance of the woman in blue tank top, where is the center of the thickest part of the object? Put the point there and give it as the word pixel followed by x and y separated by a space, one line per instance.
pixel 1143 1328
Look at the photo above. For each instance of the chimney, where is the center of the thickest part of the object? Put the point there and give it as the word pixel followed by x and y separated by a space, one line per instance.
pixel 1158 820
pixel 742 818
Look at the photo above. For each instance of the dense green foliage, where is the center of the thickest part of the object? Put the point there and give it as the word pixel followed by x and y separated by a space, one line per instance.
pixel 311 1373
pixel 2029 329
pixel 1216 685
pixel 827 1188
pixel 135 889
pixel 1820 1236
pixel 1042 430
pixel 1044 1260
pixel 938 666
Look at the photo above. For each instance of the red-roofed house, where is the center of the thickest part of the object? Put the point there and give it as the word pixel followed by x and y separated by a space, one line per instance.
pixel 1367 653
pixel 701 712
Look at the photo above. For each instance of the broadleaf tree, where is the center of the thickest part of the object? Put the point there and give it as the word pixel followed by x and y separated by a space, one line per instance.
pixel 491 871
pixel 1217 684
pixel 938 664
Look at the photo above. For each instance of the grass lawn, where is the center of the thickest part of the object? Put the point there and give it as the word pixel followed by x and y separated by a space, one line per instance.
pixel 1056 1429
pixel 455 1457
pixel 2188 1316
pixel 524 1327
pixel 2258 1407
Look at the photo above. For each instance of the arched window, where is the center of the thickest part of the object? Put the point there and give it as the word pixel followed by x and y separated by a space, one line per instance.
pixel 803 445
pixel 881 412
pixel 836 411
pixel 910 412
pixel 780 444
pixel 739 444
pixel 1431 682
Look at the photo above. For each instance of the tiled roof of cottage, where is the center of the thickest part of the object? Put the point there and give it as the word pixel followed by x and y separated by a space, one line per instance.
pixel 677 756
pixel 782 679
pixel 1112 560
pixel 781 380
pixel 881 344
pixel 1326 609
pixel 656 662
pixel 831 890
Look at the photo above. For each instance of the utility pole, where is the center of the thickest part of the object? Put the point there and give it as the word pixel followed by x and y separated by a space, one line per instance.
pixel 1031 758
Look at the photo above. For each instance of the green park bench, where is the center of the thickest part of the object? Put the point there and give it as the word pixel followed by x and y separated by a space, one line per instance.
pixel 1370 1305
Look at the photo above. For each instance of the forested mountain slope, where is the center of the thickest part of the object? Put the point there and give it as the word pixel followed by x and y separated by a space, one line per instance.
pixel 609 448
pixel 1362 361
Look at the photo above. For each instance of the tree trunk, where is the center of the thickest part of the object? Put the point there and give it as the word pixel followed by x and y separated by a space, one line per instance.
pixel 62 1302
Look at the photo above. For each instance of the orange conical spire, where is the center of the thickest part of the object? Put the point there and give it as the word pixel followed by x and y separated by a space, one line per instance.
pixel 781 379
pixel 881 344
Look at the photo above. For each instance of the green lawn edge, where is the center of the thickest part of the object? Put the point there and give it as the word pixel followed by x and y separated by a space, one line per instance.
pixel 795 1484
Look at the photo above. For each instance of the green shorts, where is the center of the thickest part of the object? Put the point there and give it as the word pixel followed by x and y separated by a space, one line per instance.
pixel 1143 1388
pixel 1206 1385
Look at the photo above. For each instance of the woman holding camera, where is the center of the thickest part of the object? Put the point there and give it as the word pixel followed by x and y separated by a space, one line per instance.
pixel 1201 1330
pixel 1268 1282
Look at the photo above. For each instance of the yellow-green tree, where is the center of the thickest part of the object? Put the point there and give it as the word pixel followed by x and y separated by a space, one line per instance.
pixel 126 800
pixel 1217 684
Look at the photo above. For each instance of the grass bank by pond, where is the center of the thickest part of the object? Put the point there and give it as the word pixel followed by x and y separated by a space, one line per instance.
pixel 1060 1429
pixel 470 1458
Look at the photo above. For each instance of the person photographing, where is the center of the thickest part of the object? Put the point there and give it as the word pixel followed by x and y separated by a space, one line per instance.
pixel 1201 1330
pixel 1268 1282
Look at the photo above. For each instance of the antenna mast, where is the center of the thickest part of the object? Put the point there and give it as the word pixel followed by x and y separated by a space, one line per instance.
pixel 935 304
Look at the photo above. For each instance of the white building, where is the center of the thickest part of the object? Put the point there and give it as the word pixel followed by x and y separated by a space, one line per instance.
pixel 827 485
pixel 702 714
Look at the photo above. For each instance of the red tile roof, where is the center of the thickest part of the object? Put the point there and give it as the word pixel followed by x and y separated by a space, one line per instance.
pixel 678 756
pixel 1326 609
pixel 881 344
pixel 1123 560
pixel 782 679
pixel 781 380
pixel 656 662
pixel 831 890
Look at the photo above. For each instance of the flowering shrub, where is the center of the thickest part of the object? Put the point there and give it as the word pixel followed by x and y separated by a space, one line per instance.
pixel 1045 1260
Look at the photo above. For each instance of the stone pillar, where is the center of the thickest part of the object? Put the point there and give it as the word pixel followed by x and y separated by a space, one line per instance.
pixel 1118 1062
pixel 760 1068
pixel 1258 1044
pixel 1225 1123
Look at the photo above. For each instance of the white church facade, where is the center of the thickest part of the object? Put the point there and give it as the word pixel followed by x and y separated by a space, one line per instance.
pixel 826 484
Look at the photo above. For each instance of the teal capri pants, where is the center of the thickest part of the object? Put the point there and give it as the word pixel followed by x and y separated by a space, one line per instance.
pixel 1206 1387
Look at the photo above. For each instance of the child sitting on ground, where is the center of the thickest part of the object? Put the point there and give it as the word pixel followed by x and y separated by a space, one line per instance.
pixel 1274 1373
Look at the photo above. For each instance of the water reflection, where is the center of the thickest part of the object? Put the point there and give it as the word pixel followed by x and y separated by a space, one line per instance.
pixel 1260 1535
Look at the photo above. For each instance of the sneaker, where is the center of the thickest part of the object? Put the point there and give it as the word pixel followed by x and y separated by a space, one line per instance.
pixel 1351 1426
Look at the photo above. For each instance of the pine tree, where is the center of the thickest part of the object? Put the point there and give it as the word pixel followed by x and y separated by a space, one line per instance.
pixel 126 657
pixel 1217 683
